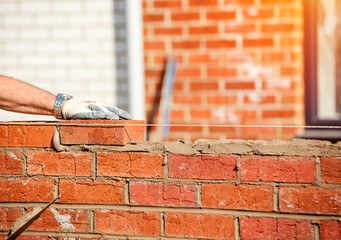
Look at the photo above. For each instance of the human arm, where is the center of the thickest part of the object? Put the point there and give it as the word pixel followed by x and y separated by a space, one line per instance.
pixel 18 96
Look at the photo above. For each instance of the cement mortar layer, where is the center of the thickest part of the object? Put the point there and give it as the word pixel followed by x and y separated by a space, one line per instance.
pixel 295 147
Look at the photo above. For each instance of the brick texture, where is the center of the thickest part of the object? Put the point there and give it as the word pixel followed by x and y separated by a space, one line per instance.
pixel 330 230
pixel 278 169
pixel 270 228
pixel 310 200
pixel 187 225
pixel 163 194
pixel 128 223
pixel 331 170
pixel 130 165
pixel 8 217
pixel 11 163
pixel 203 167
pixel 89 191
pixel 52 163
pixel 231 196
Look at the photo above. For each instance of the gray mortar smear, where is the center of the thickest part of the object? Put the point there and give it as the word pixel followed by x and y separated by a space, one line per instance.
pixel 295 147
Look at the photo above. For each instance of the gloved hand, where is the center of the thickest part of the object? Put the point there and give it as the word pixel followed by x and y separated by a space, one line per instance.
pixel 92 110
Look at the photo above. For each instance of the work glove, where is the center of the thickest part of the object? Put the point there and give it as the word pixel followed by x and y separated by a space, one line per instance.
pixel 92 110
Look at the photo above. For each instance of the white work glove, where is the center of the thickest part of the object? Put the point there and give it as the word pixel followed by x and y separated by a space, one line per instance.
pixel 92 110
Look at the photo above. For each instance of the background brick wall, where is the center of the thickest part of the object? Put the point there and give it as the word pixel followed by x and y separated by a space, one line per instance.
pixel 61 46
pixel 213 190
pixel 241 62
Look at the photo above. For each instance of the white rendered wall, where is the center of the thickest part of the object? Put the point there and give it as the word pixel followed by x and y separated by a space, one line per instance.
pixel 61 46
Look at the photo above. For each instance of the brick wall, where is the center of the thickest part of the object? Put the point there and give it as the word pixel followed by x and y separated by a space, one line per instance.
pixel 61 46
pixel 240 63
pixel 232 189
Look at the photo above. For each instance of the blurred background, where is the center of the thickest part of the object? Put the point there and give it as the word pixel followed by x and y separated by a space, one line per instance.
pixel 237 62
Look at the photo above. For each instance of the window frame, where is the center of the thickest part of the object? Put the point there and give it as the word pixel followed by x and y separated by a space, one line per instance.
pixel 310 67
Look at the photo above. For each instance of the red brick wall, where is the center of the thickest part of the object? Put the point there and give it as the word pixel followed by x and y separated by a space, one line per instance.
pixel 213 190
pixel 241 62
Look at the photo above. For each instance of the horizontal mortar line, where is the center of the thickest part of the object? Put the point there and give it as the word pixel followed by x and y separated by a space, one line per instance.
pixel 235 213
pixel 161 125
pixel 93 235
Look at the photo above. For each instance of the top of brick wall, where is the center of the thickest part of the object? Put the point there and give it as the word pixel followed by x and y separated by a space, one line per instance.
pixel 88 132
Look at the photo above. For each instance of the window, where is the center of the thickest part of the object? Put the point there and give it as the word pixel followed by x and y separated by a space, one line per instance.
pixel 322 51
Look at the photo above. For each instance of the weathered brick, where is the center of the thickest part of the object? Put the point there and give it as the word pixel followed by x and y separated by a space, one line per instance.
pixel 202 166
pixel 107 132
pixel 128 222
pixel 310 200
pixel 22 135
pixel 192 225
pixel 89 191
pixel 232 196
pixel 162 194
pixel 278 169
pixel 11 163
pixel 143 165
pixel 330 230
pixel 54 163
pixel 26 189
pixel 8 217
pixel 331 170
pixel 271 228
pixel 62 220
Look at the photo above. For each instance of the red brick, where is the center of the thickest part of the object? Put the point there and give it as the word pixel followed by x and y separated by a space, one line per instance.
pixel 187 129
pixel 26 189
pixel 220 15
pixel 167 3
pixel 240 85
pixel 33 237
pixel 200 114
pixel 22 135
pixel 191 225
pixel 128 223
pixel 289 27
pixel 330 230
pixel 191 99
pixel 188 72
pixel 222 99
pixel 310 200
pixel 153 17
pixel 199 85
pixel 258 42
pixel 142 165
pixel 203 30
pixel 110 132
pixel 185 44
pixel 331 170
pixel 154 45
pixel 240 28
pixel 222 167
pixel 258 13
pixel 278 169
pixel 62 220
pixel 239 2
pixel 221 43
pixel 203 58
pixel 8 217
pixel 54 163
pixel 278 113
pixel 277 1
pixel 221 72
pixel 91 191
pixel 271 228
pixel 11 163
pixel 243 196
pixel 163 194
pixel 168 31
pixel 260 99
pixel 202 3
pixel 185 16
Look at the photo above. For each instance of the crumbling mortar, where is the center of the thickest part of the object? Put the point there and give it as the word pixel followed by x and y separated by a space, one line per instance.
pixel 318 178
pixel 237 228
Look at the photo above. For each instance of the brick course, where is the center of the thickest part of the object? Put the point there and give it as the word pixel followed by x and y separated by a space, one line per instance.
pixel 232 189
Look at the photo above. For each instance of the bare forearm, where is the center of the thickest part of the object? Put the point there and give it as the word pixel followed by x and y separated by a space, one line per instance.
pixel 18 96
